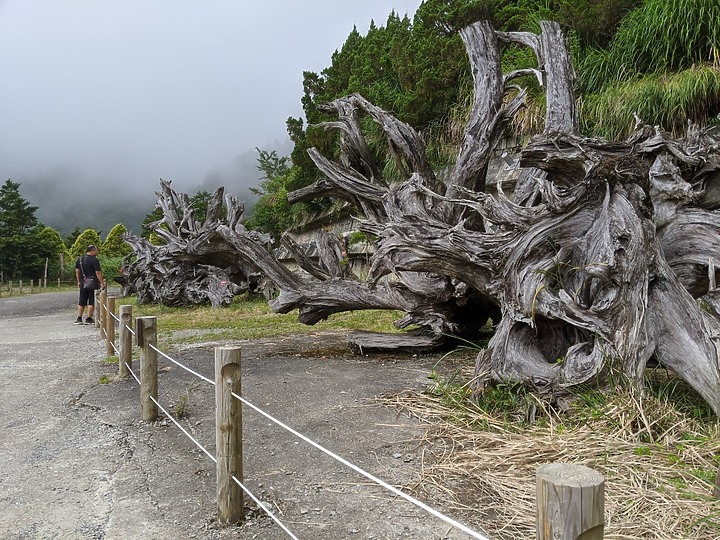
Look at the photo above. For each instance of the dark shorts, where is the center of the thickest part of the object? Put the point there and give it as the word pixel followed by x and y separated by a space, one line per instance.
pixel 87 297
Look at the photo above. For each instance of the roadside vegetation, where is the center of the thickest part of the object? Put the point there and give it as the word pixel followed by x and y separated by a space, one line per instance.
pixel 659 454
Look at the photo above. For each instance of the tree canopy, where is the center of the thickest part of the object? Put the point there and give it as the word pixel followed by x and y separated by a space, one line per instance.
pixel 86 238
pixel 24 242
pixel 272 213
pixel 656 58
pixel 114 245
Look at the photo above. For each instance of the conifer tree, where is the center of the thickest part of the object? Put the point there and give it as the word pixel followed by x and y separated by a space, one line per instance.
pixel 51 246
pixel 88 236
pixel 114 245
pixel 19 229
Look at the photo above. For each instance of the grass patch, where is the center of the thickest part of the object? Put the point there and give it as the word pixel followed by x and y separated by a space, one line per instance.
pixel 7 292
pixel 181 405
pixel 251 318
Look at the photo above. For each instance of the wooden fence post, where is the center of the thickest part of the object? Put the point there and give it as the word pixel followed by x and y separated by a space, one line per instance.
pixel 110 326
pixel 125 363
pixel 146 334
pixel 98 307
pixel 100 314
pixel 570 502
pixel 228 435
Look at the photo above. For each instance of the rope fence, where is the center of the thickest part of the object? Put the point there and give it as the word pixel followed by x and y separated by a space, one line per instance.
pixel 11 287
pixel 570 498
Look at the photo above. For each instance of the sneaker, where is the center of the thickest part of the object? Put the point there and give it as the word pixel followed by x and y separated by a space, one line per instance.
pixel 78 320
pixel 89 320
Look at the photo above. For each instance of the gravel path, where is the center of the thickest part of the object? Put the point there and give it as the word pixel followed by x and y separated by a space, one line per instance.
pixel 77 463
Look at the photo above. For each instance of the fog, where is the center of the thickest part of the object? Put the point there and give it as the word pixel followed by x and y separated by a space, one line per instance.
pixel 99 99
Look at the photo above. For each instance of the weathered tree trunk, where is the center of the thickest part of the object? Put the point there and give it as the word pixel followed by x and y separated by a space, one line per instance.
pixel 594 264
pixel 168 274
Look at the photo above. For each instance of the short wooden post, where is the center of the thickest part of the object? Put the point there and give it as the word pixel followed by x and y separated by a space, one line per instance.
pixel 100 314
pixel 228 435
pixel 125 363
pixel 146 334
pixel 20 286
pixel 98 307
pixel 570 502
pixel 110 326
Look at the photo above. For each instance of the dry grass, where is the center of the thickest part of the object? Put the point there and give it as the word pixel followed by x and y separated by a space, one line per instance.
pixel 659 462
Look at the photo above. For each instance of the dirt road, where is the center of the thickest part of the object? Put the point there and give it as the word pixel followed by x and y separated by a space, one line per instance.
pixel 76 462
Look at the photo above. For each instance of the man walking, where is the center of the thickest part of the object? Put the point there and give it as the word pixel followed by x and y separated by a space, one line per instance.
pixel 89 278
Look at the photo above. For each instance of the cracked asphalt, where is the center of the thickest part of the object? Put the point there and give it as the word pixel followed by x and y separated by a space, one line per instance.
pixel 76 461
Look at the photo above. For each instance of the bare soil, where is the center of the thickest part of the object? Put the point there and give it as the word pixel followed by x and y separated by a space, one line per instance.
pixel 78 463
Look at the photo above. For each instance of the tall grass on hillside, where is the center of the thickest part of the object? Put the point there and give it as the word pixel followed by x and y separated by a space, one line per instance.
pixel 667 100
pixel 662 64
pixel 659 36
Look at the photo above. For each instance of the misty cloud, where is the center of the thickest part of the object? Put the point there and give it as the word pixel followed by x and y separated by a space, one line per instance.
pixel 99 100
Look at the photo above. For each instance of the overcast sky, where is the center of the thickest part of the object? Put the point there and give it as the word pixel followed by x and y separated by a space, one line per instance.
pixel 123 92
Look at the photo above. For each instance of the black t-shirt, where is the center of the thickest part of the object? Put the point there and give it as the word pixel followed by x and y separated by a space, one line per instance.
pixel 88 265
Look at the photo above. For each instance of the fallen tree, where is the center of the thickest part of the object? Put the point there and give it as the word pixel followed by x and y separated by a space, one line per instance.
pixel 169 274
pixel 592 266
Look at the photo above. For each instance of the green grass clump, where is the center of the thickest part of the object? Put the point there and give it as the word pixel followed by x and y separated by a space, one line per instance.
pixel 667 100
pixel 250 317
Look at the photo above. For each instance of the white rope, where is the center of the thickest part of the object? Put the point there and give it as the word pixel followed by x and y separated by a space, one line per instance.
pixel 367 475
pixel 208 454
pixel 179 364
pixel 268 512
pixel 200 446
pixel 132 373
pixel 117 351
pixel 355 468
pixel 114 317
pixel 130 330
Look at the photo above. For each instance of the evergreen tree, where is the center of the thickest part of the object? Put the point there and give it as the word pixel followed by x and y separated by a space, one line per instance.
pixel 272 213
pixel 88 237
pixel 50 246
pixel 114 245
pixel 417 69
pixel 150 217
pixel 19 229
pixel 70 238
pixel 199 204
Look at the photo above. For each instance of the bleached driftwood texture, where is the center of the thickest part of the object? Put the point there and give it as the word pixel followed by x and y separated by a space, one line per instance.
pixel 595 262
